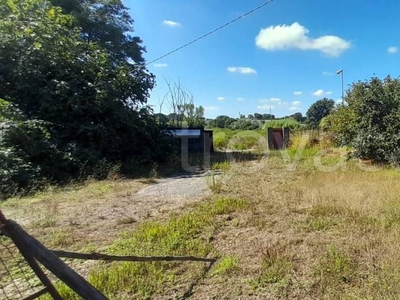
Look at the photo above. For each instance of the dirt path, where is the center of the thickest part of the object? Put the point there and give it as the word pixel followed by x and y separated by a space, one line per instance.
pixel 95 221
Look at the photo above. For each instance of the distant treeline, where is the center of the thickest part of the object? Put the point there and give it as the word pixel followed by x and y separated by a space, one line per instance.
pixel 251 122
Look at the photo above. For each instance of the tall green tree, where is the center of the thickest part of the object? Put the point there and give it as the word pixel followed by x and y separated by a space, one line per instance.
pixel 76 77
pixel 319 110
pixel 376 105
pixel 108 24
pixel 369 122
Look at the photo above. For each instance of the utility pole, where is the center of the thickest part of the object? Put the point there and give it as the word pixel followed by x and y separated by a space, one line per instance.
pixel 340 72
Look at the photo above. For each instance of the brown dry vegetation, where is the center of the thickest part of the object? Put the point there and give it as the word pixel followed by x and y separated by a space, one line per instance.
pixel 279 232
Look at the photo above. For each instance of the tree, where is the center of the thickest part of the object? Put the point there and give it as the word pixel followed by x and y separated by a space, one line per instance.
pixel 181 103
pixel 376 105
pixel 161 119
pixel 258 116
pixel 82 95
pixel 245 124
pixel 340 124
pixel 369 121
pixel 223 121
pixel 298 117
pixel 268 117
pixel 319 110
pixel 106 23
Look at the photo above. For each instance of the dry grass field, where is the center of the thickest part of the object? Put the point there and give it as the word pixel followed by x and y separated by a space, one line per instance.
pixel 322 228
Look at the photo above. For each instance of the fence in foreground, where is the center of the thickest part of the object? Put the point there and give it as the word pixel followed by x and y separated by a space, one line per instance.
pixel 27 268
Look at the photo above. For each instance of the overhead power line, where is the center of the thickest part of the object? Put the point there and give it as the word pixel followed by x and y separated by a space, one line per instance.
pixel 211 32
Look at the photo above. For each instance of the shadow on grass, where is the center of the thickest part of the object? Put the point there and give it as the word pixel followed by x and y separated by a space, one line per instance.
pixel 193 165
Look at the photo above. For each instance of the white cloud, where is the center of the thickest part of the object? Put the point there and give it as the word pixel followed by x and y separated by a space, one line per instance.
pixel 242 70
pixel 297 93
pixel 271 100
pixel 221 98
pixel 265 107
pixel 170 23
pixel 295 36
pixel 240 99
pixel 319 93
pixel 275 100
pixel 161 65
pixel 392 50
pixel 326 73
pixel 210 108
pixel 295 106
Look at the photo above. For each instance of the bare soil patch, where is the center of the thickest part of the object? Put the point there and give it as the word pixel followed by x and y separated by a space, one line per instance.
pixel 95 217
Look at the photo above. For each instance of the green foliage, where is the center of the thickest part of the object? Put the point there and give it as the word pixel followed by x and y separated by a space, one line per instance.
pixel 223 166
pixel 16 174
pixel 181 103
pixel 245 124
pixel 298 117
pixel 276 267
pixel 246 140
pixel 319 110
pixel 238 139
pixel 221 122
pixel 341 125
pixel 226 266
pixel 220 141
pixel 290 122
pixel 192 116
pixel 370 121
pixel 335 269
pixel 376 105
pixel 5 113
pixel 73 78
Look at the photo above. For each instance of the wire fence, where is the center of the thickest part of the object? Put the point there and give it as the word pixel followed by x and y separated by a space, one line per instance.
pixel 28 268
pixel 17 279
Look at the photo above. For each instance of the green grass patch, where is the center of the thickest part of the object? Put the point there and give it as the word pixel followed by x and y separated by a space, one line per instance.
pixel 335 269
pixel 214 182
pixel 238 139
pixel 289 122
pixel 302 154
pixel 276 267
pixel 182 234
pixel 225 266
pixel 223 166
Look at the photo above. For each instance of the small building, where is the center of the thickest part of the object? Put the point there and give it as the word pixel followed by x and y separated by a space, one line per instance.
pixel 192 139
pixel 278 138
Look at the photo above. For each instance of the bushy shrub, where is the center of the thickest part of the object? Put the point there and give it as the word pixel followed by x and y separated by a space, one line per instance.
pixel 304 140
pixel 369 122
pixel 75 93
pixel 238 139
pixel 245 124
pixel 220 141
pixel 16 175
pixel 340 125
pixel 290 122
pixel 244 141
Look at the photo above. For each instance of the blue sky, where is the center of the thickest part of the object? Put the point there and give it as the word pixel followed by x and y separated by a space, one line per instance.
pixel 284 56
